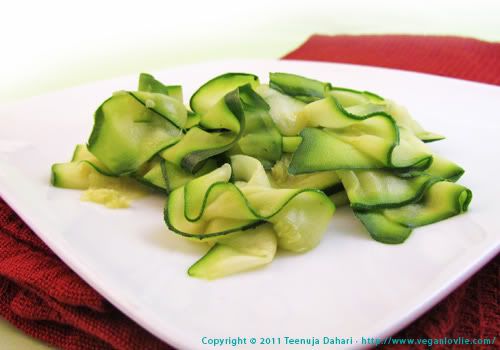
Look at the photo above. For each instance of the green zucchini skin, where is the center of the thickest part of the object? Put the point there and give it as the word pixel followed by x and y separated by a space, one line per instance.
pixel 354 141
pixel 82 154
pixel 310 90
pixel 241 251
pixel 213 207
pixel 213 90
pixel 127 134
pixel 440 167
pixel 393 225
pixel 255 167
pixel 219 129
pixel 193 119
pixel 261 138
pixel 350 97
pixel 75 174
pixel 321 180
pixel 166 106
pixel 283 109
pixel 291 143
pixel 239 123
pixel 372 189
pixel 299 87
pixel 149 84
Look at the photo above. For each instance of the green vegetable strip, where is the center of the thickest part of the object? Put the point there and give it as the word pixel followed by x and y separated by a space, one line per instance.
pixel 164 105
pixel 322 180
pixel 212 91
pixel 349 141
pixel 82 154
pixel 260 139
pixel 222 126
pixel 297 147
pixel 283 109
pixel 349 97
pixel 167 176
pixel 149 84
pixel 77 173
pixel 210 206
pixel 299 87
pixel 240 251
pixel 441 201
pixel 310 90
pixel 193 119
pixel 127 133
pixel 239 122
pixel 440 167
pixel 371 189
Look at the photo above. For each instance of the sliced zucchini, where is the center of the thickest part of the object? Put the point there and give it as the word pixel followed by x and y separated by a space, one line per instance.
pixel 195 191
pixel 440 167
pixel 149 84
pixel 126 133
pixel 441 201
pixel 291 143
pixel 280 178
pixel 176 177
pixel 283 109
pixel 349 141
pixel 404 119
pixel 309 90
pixel 444 168
pixel 212 91
pixel 260 138
pixel 239 122
pixel 164 105
pixel 241 251
pixel 222 126
pixel 370 189
pixel 209 206
pixel 350 98
pixel 339 199
pixel 193 119
pixel 302 221
pixel 299 87
pixel 113 192
pixel 82 153
pixel 74 175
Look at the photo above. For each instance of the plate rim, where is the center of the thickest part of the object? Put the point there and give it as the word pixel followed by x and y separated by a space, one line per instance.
pixel 171 336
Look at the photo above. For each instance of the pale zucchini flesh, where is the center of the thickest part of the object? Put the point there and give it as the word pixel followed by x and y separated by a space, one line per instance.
pixel 251 168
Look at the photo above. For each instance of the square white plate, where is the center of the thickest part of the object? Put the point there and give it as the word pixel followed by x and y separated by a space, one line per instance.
pixel 350 286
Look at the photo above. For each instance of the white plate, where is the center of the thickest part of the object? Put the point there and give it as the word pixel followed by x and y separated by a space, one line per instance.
pixel 350 286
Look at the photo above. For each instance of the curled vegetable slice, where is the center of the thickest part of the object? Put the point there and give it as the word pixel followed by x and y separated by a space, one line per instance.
pixel 213 90
pixel 148 83
pixel 337 139
pixel 210 206
pixel 393 225
pixel 127 133
pixel 239 123
pixel 240 251
pixel 356 102
pixel 371 189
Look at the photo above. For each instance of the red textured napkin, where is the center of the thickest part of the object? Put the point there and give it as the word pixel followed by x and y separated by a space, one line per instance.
pixel 42 296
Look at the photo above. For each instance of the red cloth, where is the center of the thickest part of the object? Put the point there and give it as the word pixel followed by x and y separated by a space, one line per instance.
pixel 42 296
pixel 450 56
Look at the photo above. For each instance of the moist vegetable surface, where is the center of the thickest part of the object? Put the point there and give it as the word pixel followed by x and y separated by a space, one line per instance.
pixel 249 168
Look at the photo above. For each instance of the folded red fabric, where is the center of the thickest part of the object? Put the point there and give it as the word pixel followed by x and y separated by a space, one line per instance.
pixel 449 56
pixel 42 296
